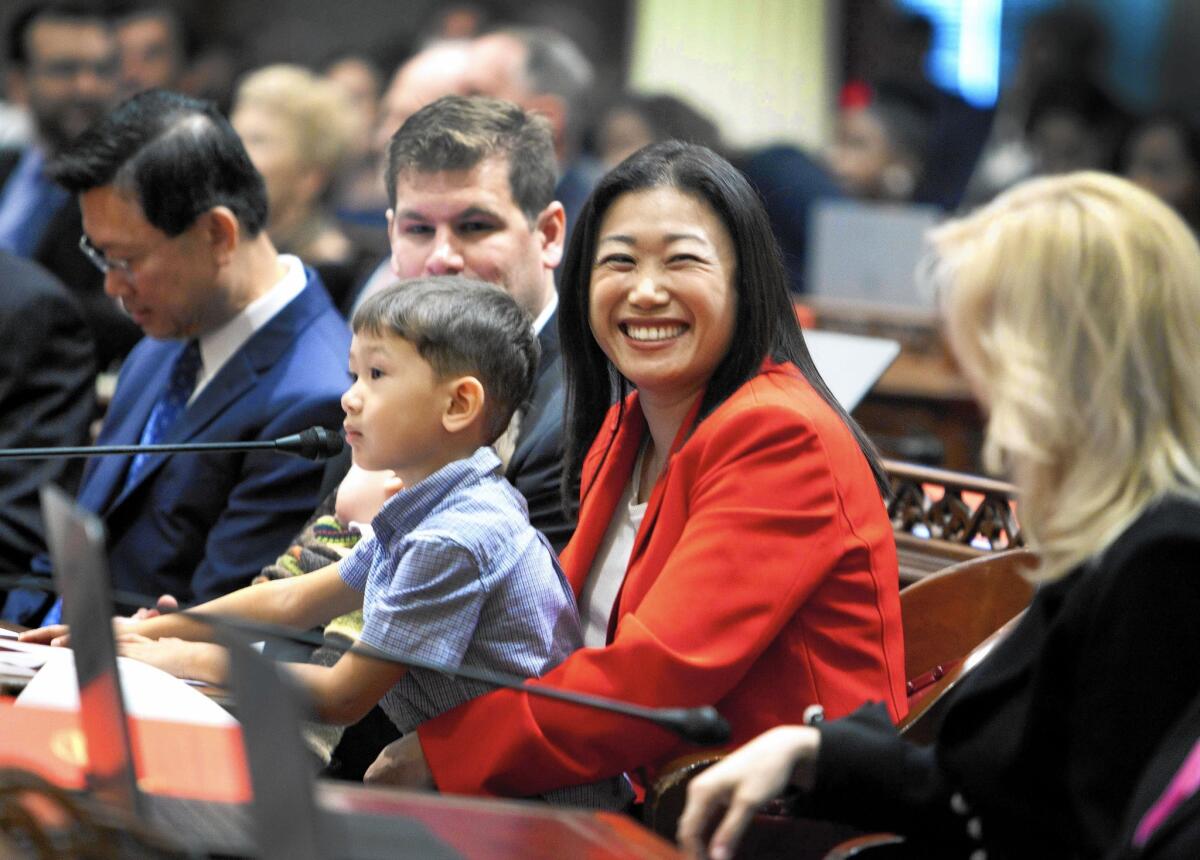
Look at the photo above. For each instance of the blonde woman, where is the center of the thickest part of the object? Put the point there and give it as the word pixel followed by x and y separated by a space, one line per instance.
pixel 297 128
pixel 1073 304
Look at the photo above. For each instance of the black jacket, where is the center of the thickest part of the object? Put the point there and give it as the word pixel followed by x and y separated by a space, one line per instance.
pixel 113 332
pixel 1043 743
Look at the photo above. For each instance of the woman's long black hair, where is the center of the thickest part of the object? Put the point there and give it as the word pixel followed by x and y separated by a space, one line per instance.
pixel 766 321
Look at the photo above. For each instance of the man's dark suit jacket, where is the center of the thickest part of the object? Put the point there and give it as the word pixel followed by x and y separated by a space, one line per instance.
pixel 47 384
pixel 200 525
pixel 536 465
pixel 113 332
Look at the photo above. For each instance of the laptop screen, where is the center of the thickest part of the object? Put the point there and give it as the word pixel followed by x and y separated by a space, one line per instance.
pixel 77 549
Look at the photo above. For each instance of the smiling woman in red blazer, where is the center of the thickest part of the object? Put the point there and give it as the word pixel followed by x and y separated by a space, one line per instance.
pixel 733 546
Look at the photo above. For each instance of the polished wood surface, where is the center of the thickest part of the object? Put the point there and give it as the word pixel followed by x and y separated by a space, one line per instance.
pixel 480 828
pixel 922 408
pixel 207 763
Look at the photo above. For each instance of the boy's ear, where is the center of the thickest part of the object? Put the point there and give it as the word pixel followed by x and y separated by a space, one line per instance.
pixel 465 405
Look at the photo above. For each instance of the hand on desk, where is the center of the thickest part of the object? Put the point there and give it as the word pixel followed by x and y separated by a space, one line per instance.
pixel 402 764
pixel 741 782
pixel 195 661
pixel 60 634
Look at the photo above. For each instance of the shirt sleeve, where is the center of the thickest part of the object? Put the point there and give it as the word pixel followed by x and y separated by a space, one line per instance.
pixel 429 606
pixel 356 567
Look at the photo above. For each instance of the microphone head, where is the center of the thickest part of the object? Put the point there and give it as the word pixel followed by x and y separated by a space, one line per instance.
pixel 703 726
pixel 315 443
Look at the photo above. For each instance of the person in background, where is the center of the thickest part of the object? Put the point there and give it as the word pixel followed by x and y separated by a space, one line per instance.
pixel 440 69
pixel 47 398
pixel 153 43
pixel 544 72
pixel 634 120
pixel 1073 306
pixel 297 129
pixel 242 344
pixel 1162 154
pixel 63 69
pixel 361 82
pixel 882 141
pixel 1067 43
pixel 1073 126
pixel 731 531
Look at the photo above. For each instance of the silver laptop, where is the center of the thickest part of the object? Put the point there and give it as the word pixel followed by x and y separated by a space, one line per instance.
pixel 867 253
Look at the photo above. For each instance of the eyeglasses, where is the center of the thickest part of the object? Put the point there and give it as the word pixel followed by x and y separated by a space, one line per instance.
pixel 101 262
pixel 69 69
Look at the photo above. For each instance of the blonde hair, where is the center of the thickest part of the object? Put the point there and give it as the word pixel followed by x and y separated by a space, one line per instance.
pixel 317 109
pixel 1073 303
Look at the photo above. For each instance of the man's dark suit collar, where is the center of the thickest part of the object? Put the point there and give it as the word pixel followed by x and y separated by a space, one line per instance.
pixel 237 376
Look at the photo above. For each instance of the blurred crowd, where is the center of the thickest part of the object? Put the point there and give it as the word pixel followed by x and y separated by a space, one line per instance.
pixel 318 132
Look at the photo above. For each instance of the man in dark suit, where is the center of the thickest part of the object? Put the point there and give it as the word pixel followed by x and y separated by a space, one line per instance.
pixel 545 72
pixel 471 186
pixel 63 61
pixel 47 375
pixel 242 344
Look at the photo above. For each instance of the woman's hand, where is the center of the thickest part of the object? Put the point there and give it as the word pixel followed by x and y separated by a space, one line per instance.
pixel 740 783
pixel 402 763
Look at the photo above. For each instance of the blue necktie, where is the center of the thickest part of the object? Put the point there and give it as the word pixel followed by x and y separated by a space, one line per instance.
pixel 170 406
pixel 165 412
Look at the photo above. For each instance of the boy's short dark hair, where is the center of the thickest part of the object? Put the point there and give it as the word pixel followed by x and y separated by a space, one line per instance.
pixel 178 156
pixel 459 132
pixel 462 326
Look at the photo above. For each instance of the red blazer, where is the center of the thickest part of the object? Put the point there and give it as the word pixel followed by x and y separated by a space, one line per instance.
pixel 763 579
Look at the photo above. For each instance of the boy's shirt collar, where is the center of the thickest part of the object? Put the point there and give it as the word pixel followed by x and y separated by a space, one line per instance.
pixel 408 508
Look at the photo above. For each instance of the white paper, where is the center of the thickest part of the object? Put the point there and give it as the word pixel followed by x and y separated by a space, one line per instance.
pixel 148 692
pixel 5 633
pixel 25 655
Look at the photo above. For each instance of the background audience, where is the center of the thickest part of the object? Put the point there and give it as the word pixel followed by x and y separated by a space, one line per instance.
pixel 298 129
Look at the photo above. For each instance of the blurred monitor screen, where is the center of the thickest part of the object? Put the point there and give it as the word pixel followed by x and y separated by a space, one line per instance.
pixel 867 253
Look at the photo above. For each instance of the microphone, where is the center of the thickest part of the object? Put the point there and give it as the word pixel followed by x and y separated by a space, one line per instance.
pixel 315 443
pixel 702 725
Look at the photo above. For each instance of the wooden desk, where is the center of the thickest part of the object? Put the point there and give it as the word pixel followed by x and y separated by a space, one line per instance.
pixel 206 762
pixel 922 398
pixel 496 829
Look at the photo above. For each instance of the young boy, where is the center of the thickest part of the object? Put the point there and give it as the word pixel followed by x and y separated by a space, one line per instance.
pixel 454 573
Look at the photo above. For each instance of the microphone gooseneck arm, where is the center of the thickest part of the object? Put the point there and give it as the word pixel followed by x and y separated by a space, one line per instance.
pixel 315 443
pixel 699 725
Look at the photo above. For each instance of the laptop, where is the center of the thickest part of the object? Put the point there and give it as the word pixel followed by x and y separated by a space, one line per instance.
pixel 284 820
pixel 850 364
pixel 867 253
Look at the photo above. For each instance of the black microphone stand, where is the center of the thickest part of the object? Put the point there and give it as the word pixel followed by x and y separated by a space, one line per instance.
pixel 315 443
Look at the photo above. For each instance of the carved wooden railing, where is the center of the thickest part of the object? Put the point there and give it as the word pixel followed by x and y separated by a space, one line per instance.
pixel 942 517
